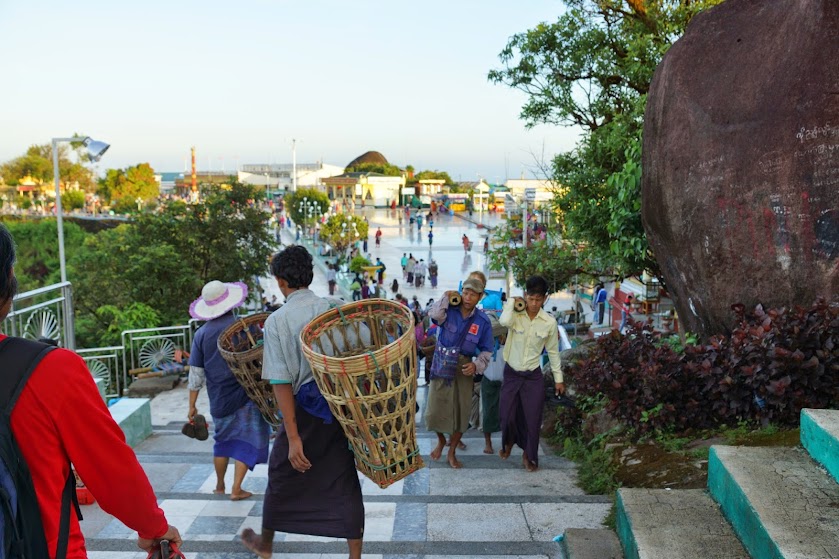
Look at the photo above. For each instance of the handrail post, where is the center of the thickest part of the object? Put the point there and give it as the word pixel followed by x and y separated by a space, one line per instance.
pixel 69 318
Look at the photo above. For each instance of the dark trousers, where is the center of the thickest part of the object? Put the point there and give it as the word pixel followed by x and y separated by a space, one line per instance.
pixel 521 404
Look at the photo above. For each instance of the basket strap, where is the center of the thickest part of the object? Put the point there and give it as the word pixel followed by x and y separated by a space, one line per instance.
pixel 376 363
pixel 332 305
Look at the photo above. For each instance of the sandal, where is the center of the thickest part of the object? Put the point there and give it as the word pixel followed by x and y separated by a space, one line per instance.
pixel 197 428
pixel 201 431
pixel 165 550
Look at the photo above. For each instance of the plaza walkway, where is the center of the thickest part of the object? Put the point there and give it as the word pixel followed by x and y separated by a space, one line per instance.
pixel 454 263
pixel 490 508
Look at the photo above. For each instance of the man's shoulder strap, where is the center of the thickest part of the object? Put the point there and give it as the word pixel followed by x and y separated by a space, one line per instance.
pixel 18 359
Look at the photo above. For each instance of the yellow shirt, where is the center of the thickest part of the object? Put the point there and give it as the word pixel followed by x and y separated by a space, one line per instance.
pixel 527 338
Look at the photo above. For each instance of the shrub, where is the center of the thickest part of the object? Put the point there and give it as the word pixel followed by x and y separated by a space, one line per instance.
pixel 771 365
pixel 357 264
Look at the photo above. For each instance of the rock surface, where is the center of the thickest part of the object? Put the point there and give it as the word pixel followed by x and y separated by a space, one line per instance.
pixel 741 160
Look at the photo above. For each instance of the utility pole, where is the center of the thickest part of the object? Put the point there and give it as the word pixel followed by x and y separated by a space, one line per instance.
pixel 293 165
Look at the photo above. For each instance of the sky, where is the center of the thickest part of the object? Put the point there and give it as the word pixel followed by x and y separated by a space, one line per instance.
pixel 240 80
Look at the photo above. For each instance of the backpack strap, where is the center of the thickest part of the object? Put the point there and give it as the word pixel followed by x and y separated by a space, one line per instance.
pixel 20 357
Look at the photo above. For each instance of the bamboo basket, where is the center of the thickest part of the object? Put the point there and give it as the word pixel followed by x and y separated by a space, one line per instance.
pixel 241 346
pixel 369 381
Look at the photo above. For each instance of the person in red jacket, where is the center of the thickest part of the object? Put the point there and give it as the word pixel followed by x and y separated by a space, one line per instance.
pixel 60 418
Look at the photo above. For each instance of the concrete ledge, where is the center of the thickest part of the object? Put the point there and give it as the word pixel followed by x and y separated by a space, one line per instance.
pixel 684 524
pixel 820 436
pixel 133 415
pixel 581 543
pixel 780 504
pixel 101 385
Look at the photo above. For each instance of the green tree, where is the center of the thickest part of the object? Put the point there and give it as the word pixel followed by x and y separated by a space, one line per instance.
pixel 340 230
pixel 129 184
pixel 381 168
pixel 73 200
pixel 37 163
pixel 37 250
pixel 592 69
pixel 431 175
pixel 163 259
pixel 306 196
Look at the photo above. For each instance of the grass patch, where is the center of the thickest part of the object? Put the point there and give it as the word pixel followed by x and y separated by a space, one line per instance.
pixel 596 474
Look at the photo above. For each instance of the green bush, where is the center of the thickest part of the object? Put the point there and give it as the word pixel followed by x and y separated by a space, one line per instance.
pixel 358 263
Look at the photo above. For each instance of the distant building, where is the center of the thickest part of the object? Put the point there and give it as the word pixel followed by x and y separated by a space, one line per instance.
pixel 373 189
pixel 168 181
pixel 279 176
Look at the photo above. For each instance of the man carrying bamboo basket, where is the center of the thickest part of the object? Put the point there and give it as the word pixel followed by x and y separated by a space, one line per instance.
pixel 313 487
pixel 465 333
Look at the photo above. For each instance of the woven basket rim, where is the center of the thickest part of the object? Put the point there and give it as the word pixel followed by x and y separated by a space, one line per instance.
pixel 358 307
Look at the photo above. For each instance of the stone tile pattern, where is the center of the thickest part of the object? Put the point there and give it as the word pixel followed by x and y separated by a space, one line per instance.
pixel 683 524
pixel 779 493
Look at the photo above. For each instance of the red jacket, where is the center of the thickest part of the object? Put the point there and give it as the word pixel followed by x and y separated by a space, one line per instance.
pixel 61 418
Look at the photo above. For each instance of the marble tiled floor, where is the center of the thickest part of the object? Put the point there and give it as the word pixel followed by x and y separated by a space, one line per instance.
pixel 490 508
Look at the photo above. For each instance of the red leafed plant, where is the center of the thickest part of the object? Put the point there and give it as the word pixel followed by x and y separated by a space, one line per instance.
pixel 772 364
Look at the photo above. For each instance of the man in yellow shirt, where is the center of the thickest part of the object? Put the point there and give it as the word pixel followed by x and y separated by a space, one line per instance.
pixel 522 392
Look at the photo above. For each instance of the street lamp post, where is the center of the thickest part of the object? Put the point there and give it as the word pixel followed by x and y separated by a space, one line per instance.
pixel 95 149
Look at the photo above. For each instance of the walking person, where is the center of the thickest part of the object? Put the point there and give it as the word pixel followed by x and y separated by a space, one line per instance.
pixel 410 269
pixel 313 487
pixel 239 430
pixel 355 287
pixel 466 243
pixel 430 238
pixel 599 302
pixel 380 273
pixel 432 272
pixel 626 310
pixel 378 237
pixel 331 278
pixel 394 287
pixel 404 263
pixel 491 385
pixel 523 391
pixel 464 334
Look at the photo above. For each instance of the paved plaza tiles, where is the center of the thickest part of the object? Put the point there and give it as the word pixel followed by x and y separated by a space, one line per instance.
pixel 490 508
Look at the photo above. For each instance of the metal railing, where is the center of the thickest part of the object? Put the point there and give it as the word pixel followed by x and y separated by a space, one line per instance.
pixel 46 312
pixel 107 363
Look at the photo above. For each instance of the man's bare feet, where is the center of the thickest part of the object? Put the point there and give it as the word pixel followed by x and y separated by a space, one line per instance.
pixel 460 445
pixel 528 465
pixel 437 452
pixel 241 496
pixel 488 450
pixel 504 453
pixel 218 491
pixel 454 462
pixel 254 543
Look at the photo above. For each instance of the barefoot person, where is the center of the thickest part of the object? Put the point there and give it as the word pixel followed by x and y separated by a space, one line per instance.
pixel 464 332
pixel 239 430
pixel 313 487
pixel 491 386
pixel 523 389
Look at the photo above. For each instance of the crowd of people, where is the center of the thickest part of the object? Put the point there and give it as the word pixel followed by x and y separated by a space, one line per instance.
pixel 481 367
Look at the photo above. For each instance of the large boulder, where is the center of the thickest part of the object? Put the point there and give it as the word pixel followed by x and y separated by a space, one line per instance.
pixel 741 159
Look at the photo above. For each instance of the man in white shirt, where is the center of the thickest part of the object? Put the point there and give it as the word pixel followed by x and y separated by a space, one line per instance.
pixel 523 393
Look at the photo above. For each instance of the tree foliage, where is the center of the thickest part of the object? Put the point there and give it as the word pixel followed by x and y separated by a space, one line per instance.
pixel 37 163
pixel 381 168
pixel 592 69
pixel 163 259
pixel 342 230
pixel 431 175
pixel 305 196
pixel 126 185
pixel 36 248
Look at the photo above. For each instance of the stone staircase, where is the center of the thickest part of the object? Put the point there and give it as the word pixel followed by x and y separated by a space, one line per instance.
pixel 761 503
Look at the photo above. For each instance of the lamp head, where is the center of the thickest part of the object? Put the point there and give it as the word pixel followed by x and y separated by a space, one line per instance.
pixel 95 148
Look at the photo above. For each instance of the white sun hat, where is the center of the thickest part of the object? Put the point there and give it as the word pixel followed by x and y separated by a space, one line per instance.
pixel 218 298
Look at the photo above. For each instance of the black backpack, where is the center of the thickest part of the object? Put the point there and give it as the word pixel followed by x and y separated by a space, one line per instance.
pixel 21 530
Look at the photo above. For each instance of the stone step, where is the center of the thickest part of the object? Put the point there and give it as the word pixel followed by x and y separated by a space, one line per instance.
pixel 582 543
pixel 683 524
pixel 779 502
pixel 820 436
pixel 133 415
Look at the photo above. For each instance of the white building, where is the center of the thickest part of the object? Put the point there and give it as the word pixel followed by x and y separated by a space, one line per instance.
pixel 279 176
